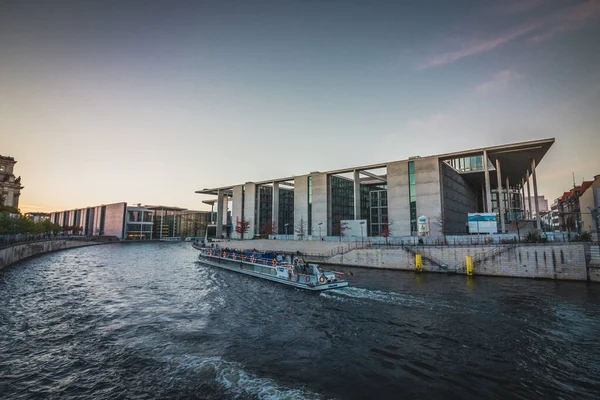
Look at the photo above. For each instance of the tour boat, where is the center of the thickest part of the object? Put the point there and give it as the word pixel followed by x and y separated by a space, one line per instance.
pixel 273 267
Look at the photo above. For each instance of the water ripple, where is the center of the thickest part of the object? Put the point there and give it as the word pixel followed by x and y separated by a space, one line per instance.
pixel 148 321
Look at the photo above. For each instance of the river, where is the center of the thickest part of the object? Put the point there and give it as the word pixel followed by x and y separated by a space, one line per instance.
pixel 149 321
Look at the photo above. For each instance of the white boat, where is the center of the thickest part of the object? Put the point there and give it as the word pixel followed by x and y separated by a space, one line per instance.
pixel 273 268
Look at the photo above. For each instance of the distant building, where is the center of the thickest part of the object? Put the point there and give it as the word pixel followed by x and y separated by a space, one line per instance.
pixel 589 204
pixel 10 187
pixel 176 222
pixel 543 206
pixel 135 222
pixel 101 220
pixel 37 216
pixel 569 209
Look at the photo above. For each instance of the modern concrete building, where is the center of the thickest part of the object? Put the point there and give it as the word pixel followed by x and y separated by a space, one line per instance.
pixel 390 196
pixel 102 220
pixel 176 222
pixel 37 216
pixel 134 222
pixel 10 187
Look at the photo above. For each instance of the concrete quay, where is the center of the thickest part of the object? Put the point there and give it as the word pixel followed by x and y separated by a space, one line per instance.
pixel 18 252
pixel 559 261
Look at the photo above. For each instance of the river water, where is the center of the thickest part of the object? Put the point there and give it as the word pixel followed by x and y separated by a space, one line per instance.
pixel 149 321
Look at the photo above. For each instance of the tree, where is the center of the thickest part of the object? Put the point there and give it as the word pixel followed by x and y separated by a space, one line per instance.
pixel 344 227
pixel 385 232
pixel 268 228
pixel 300 228
pixel 241 226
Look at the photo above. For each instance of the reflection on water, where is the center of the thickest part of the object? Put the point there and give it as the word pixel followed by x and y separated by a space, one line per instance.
pixel 147 320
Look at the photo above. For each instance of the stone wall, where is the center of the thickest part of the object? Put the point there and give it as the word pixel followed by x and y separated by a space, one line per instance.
pixel 381 258
pixel 561 261
pixel 13 254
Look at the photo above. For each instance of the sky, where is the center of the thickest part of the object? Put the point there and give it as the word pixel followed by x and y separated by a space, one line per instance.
pixel 149 101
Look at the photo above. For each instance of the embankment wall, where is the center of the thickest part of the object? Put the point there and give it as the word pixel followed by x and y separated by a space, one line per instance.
pixel 18 252
pixel 555 261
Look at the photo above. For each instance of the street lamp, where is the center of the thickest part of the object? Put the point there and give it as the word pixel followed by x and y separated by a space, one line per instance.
pixel 320 223
pixel 361 232
pixel 286 230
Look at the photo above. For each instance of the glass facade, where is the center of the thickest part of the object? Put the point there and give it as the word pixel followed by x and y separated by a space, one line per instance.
pixel 264 206
pixel 379 212
pixel 412 184
pixel 510 213
pixel 469 164
pixel 342 202
pixel 286 211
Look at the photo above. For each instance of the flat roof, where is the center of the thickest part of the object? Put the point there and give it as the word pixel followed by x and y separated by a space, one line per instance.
pixel 515 162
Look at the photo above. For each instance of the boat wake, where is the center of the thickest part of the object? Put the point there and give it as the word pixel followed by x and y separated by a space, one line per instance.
pixel 240 383
pixel 356 293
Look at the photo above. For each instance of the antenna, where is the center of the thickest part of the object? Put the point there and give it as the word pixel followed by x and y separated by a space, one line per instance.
pixel 573 178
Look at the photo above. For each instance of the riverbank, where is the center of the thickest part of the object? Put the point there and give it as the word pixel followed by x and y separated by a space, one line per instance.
pixel 18 252
pixel 559 261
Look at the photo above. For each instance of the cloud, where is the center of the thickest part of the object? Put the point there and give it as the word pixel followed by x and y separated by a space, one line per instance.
pixel 577 18
pixel 499 82
pixel 544 28
pixel 517 6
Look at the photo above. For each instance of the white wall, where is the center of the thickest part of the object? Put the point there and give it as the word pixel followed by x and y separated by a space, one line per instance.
pixel 398 198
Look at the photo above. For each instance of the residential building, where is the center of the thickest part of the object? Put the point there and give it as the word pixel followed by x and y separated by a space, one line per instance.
pixel 391 196
pixel 10 187
pixel 589 204
pixel 569 208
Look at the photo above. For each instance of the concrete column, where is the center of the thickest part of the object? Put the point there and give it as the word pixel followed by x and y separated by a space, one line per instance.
pixel 488 188
pixel 320 199
pixel 225 204
pixel 300 207
pixel 483 201
pixel 538 221
pixel 356 195
pixel 398 198
pixel 523 197
pixel 508 198
pixel 220 196
pixel 530 214
pixel 500 194
pixel 275 208
pixel 249 209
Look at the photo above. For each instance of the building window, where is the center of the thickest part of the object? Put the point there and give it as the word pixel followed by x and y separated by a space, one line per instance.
pixel 412 196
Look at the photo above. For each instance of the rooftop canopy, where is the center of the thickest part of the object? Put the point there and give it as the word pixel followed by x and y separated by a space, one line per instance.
pixel 515 163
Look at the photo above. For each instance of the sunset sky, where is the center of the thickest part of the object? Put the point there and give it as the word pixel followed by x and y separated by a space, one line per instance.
pixel 148 101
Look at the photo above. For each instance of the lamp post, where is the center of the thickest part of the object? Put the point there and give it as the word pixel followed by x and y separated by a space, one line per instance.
pixel 286 230
pixel 320 223
pixel 362 236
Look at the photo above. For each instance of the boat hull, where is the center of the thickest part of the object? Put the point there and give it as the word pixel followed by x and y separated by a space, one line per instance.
pixel 239 267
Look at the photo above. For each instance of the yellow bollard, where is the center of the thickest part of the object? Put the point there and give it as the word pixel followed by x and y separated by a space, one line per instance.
pixel 418 263
pixel 469 265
